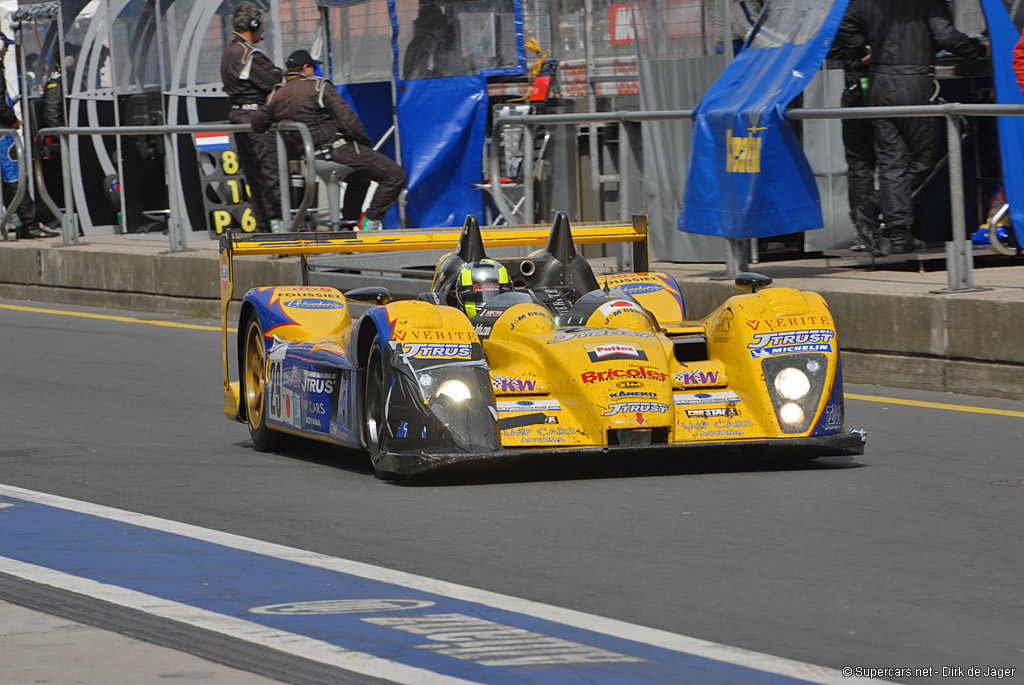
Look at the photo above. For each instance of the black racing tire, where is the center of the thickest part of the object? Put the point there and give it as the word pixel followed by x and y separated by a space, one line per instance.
pixel 378 381
pixel 254 387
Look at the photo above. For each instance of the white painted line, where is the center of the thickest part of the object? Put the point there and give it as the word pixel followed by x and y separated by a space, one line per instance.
pixel 569 617
pixel 254 633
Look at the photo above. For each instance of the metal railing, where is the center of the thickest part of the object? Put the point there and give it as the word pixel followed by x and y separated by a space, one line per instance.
pixel 175 229
pixel 959 255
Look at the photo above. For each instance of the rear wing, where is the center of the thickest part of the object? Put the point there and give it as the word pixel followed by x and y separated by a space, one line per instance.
pixel 304 244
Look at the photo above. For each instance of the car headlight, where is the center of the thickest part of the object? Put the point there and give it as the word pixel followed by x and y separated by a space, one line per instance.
pixel 453 389
pixel 795 384
pixel 792 383
pixel 791 414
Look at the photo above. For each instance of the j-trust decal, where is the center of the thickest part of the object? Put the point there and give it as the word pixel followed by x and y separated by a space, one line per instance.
pixel 607 352
pixel 437 351
pixel 635 407
pixel 817 340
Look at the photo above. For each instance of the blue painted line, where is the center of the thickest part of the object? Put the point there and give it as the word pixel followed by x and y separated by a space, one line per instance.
pixel 442 634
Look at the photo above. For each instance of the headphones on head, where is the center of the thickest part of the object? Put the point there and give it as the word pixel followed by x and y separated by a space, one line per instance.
pixel 256 22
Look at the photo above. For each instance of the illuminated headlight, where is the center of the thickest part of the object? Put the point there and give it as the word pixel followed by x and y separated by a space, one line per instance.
pixel 791 414
pixel 792 384
pixel 795 384
pixel 453 389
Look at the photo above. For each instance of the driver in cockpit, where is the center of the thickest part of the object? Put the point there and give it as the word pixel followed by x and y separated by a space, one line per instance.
pixel 480 282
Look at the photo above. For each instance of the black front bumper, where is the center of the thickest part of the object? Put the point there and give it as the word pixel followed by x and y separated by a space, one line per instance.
pixel 405 464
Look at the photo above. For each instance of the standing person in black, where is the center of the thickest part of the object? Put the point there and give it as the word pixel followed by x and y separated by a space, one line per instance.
pixel 248 77
pixel 902 39
pixel 859 143
pixel 338 135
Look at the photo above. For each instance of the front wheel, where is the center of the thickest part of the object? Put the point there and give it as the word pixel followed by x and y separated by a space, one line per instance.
pixel 255 375
pixel 378 380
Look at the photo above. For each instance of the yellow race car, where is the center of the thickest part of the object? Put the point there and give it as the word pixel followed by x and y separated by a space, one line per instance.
pixel 529 356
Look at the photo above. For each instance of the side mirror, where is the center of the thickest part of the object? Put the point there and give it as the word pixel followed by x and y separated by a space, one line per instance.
pixel 374 294
pixel 751 281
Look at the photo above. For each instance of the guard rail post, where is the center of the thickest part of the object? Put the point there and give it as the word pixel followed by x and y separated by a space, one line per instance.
pixel 19 192
pixel 959 253
pixel 69 219
pixel 175 230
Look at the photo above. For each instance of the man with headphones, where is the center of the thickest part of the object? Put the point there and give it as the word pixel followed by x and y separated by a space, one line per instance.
pixel 249 76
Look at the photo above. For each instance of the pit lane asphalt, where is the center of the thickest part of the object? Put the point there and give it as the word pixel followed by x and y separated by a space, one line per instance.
pixel 909 555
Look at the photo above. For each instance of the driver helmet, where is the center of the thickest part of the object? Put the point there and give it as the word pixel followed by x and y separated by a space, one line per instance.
pixel 479 282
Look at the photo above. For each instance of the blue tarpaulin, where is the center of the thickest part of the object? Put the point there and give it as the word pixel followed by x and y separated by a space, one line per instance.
pixel 1004 36
pixel 442 123
pixel 372 104
pixel 748 176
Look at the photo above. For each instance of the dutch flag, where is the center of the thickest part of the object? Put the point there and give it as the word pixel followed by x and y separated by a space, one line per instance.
pixel 210 142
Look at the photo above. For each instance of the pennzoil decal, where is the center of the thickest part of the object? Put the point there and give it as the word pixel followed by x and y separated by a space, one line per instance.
pixel 816 340
pixel 312 303
pixel 436 351
pixel 639 288
pixel 608 352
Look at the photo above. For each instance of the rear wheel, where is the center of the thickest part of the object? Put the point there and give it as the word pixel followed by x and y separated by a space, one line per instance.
pixel 374 396
pixel 255 376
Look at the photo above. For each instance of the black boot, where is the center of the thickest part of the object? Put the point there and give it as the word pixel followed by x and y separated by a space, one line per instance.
pixel 900 240
pixel 867 233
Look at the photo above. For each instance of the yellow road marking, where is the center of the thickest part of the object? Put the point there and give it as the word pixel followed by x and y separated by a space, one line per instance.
pixel 111 317
pixel 937 405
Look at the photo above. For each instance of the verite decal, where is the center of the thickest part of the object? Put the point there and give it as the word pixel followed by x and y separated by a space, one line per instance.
pixel 310 303
pixel 697 378
pixel 436 351
pixel 632 372
pixel 402 334
pixel 817 340
pixel 788 322
pixel 635 407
